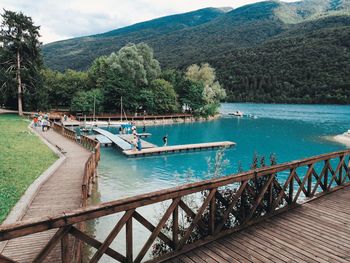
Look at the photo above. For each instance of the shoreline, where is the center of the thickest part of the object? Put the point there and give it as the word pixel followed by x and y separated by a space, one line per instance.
pixel 174 120
pixel 150 122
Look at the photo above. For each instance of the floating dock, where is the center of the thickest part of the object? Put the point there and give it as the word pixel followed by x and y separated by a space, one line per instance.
pixel 124 142
pixel 119 142
pixel 103 139
pixel 178 148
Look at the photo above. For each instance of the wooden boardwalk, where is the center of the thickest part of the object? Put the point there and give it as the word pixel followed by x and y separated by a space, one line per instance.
pixel 61 192
pixel 318 231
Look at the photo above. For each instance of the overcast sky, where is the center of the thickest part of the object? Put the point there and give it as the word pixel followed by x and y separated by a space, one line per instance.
pixel 62 19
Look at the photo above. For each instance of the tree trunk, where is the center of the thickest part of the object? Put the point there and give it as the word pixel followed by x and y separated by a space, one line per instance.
pixel 19 83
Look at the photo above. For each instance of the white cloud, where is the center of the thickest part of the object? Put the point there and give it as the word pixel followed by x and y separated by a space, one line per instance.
pixel 71 18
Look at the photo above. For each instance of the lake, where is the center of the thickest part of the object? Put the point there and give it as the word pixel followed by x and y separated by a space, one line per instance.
pixel 289 131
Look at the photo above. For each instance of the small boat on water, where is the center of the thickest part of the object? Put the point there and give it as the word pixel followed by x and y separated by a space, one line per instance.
pixel 236 113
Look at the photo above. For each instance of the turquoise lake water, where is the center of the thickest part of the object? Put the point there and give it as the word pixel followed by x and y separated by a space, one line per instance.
pixel 288 131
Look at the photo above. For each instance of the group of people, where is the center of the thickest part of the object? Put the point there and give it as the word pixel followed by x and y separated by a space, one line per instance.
pixel 42 120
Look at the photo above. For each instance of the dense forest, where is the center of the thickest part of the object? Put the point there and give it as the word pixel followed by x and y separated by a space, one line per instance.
pixel 265 52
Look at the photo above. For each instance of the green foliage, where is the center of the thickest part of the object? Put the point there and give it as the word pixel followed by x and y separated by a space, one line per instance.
pixel 125 74
pixel 20 59
pixel 23 157
pixel 163 98
pixel 61 87
pixel 264 52
pixel 87 101
pixel 285 71
pixel 193 95
pixel 212 92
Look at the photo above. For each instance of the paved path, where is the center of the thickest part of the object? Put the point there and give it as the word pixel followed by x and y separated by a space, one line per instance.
pixel 318 231
pixel 61 192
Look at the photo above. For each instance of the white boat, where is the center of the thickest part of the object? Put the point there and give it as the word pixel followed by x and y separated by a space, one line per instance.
pixel 236 113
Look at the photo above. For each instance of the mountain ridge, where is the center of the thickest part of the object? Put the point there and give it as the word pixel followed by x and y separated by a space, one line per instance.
pixel 277 34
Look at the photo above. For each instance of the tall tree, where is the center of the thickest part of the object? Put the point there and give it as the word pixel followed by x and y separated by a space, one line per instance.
pixel 19 41
pixel 212 93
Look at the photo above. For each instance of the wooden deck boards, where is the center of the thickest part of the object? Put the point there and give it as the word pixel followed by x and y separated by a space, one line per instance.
pixel 318 231
pixel 178 148
pixel 129 138
pixel 61 192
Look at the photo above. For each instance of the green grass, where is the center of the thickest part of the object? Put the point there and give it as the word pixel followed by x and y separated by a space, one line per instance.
pixel 23 157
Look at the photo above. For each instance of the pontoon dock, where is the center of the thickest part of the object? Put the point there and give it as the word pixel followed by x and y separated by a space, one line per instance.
pixel 178 148
pixel 124 142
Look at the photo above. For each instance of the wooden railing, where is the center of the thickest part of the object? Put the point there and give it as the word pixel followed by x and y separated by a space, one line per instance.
pixel 90 170
pixel 224 205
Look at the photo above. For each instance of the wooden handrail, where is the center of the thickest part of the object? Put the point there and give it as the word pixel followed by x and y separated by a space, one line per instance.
pixel 278 196
pixel 90 169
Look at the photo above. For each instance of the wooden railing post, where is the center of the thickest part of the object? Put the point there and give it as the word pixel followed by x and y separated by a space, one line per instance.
pixel 291 187
pixel 309 182
pixel 176 227
pixel 212 210
pixel 129 242
pixel 65 249
pixel 270 194
pixel 341 159
pixel 325 178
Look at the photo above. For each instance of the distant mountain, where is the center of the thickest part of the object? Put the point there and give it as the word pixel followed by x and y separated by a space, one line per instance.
pixel 78 53
pixel 267 46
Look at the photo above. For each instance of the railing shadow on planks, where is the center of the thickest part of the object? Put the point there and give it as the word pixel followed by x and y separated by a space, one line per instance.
pixel 220 212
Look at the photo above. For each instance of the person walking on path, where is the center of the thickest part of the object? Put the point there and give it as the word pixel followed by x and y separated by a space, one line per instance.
pixel 43 125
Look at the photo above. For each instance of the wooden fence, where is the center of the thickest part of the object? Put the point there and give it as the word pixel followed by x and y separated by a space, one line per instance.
pixel 226 204
pixel 90 170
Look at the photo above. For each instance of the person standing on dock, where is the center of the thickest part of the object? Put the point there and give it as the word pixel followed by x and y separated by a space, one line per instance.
pixel 165 140
pixel 134 143
pixel 139 145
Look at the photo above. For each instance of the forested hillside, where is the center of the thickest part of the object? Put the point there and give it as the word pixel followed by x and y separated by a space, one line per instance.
pixel 268 52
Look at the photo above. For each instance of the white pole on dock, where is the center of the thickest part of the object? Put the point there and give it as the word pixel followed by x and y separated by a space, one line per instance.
pixel 121 108
pixel 94 107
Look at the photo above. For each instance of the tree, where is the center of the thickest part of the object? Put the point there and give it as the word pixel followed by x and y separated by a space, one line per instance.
pixel 87 101
pixel 126 73
pixel 21 47
pixel 63 86
pixel 212 93
pixel 164 98
pixel 192 96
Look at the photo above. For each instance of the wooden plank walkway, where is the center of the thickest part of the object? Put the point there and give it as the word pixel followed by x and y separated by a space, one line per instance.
pixel 318 231
pixel 178 148
pixel 61 192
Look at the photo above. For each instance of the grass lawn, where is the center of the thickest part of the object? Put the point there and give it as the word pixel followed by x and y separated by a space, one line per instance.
pixel 23 157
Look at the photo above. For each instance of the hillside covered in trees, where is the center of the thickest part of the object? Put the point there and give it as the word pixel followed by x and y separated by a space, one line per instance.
pixel 264 52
